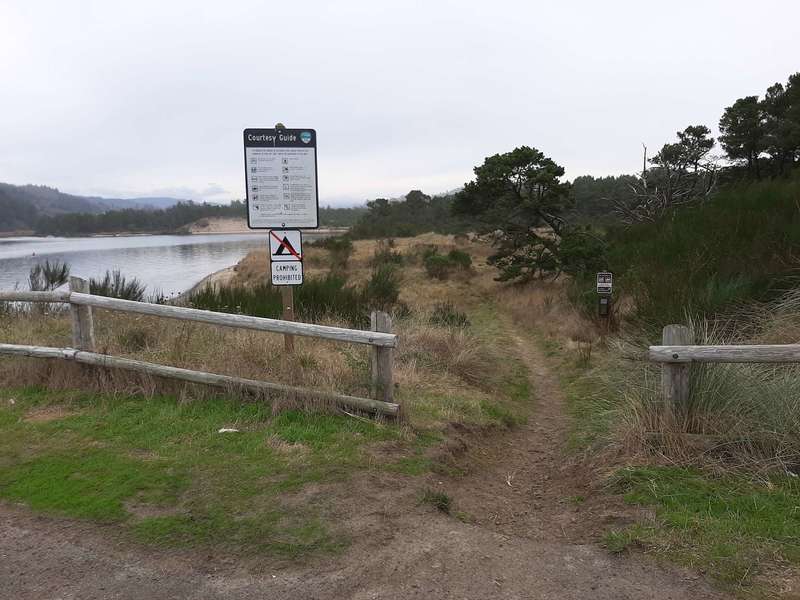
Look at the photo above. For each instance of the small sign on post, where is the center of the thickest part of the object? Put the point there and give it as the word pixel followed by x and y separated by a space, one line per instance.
pixel 605 283
pixel 286 256
pixel 605 286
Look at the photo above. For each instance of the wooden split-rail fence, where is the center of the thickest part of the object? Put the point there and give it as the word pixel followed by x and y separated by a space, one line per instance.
pixel 677 354
pixel 83 349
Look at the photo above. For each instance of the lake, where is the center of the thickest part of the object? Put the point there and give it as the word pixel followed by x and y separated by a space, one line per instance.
pixel 170 264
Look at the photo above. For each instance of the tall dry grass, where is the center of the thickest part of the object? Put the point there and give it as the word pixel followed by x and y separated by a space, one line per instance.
pixel 739 412
pixel 443 373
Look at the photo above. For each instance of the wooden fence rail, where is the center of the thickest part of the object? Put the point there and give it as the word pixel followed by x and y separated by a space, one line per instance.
pixel 677 353
pixel 83 351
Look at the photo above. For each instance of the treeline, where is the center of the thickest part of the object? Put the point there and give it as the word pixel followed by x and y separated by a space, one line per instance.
pixel 167 220
pixel 590 200
pixel 416 213
pixel 136 220
pixel 340 217
pixel 762 135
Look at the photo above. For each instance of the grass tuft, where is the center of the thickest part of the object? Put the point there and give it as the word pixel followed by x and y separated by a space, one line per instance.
pixel 439 500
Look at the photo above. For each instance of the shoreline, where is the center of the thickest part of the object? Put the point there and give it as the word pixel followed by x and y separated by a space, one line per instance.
pixel 319 231
pixel 221 276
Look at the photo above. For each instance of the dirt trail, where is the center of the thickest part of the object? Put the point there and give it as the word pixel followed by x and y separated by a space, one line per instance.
pixel 526 484
pixel 523 538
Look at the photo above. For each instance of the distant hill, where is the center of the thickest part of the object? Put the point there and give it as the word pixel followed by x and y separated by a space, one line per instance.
pixel 21 206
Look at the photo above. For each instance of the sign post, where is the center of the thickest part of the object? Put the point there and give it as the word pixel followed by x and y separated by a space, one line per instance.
pixel 605 287
pixel 281 186
pixel 286 265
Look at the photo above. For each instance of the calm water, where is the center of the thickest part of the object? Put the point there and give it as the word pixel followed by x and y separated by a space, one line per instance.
pixel 167 263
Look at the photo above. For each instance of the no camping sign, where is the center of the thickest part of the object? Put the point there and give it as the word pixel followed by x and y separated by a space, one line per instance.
pixel 286 256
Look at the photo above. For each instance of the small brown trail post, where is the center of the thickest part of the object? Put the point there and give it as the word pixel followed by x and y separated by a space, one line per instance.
pixel 382 379
pixel 82 321
pixel 675 376
pixel 287 298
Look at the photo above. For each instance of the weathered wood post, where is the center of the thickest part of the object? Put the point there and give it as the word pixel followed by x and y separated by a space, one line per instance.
pixel 382 380
pixel 287 298
pixel 675 376
pixel 82 321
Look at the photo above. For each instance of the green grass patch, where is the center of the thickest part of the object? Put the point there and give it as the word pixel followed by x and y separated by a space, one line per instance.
pixel 588 407
pixel 727 526
pixel 90 483
pixel 102 455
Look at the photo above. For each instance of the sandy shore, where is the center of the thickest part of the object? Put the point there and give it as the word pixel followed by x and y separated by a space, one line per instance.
pixel 235 225
pixel 221 277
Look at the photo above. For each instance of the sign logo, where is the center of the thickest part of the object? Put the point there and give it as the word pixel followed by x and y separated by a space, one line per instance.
pixel 305 137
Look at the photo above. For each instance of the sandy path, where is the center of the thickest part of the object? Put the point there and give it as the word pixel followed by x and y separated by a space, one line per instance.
pixel 523 539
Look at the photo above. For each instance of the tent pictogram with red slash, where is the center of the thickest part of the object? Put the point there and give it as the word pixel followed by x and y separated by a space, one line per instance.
pixel 285 245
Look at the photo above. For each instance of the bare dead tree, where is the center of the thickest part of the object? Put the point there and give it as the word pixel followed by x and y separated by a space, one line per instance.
pixel 681 173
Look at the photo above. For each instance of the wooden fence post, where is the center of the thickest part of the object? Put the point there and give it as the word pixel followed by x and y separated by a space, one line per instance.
pixel 675 376
pixel 82 322
pixel 382 381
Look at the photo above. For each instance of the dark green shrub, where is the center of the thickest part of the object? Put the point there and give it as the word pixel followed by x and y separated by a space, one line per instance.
pixel 419 252
pixel 47 276
pixel 441 266
pixel 317 298
pixel 115 285
pixel 340 249
pixel 460 258
pixel 382 290
pixel 438 266
pixel 446 315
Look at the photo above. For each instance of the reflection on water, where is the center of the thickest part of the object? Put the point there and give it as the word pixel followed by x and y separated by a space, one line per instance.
pixel 170 264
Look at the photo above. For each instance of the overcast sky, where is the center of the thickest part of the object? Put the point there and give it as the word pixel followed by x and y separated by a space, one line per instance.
pixel 150 98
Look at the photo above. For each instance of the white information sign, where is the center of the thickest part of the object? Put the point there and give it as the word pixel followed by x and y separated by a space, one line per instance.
pixel 287 273
pixel 281 178
pixel 605 282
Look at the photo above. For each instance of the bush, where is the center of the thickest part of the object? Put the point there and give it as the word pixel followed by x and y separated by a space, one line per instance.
pixel 340 249
pixel 115 285
pixel 47 276
pixel 460 258
pixel 441 266
pixel 316 299
pixel 382 290
pixel 419 252
pixel 446 315
pixel 438 266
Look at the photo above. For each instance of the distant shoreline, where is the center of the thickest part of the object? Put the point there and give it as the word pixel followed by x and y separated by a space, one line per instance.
pixel 31 234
